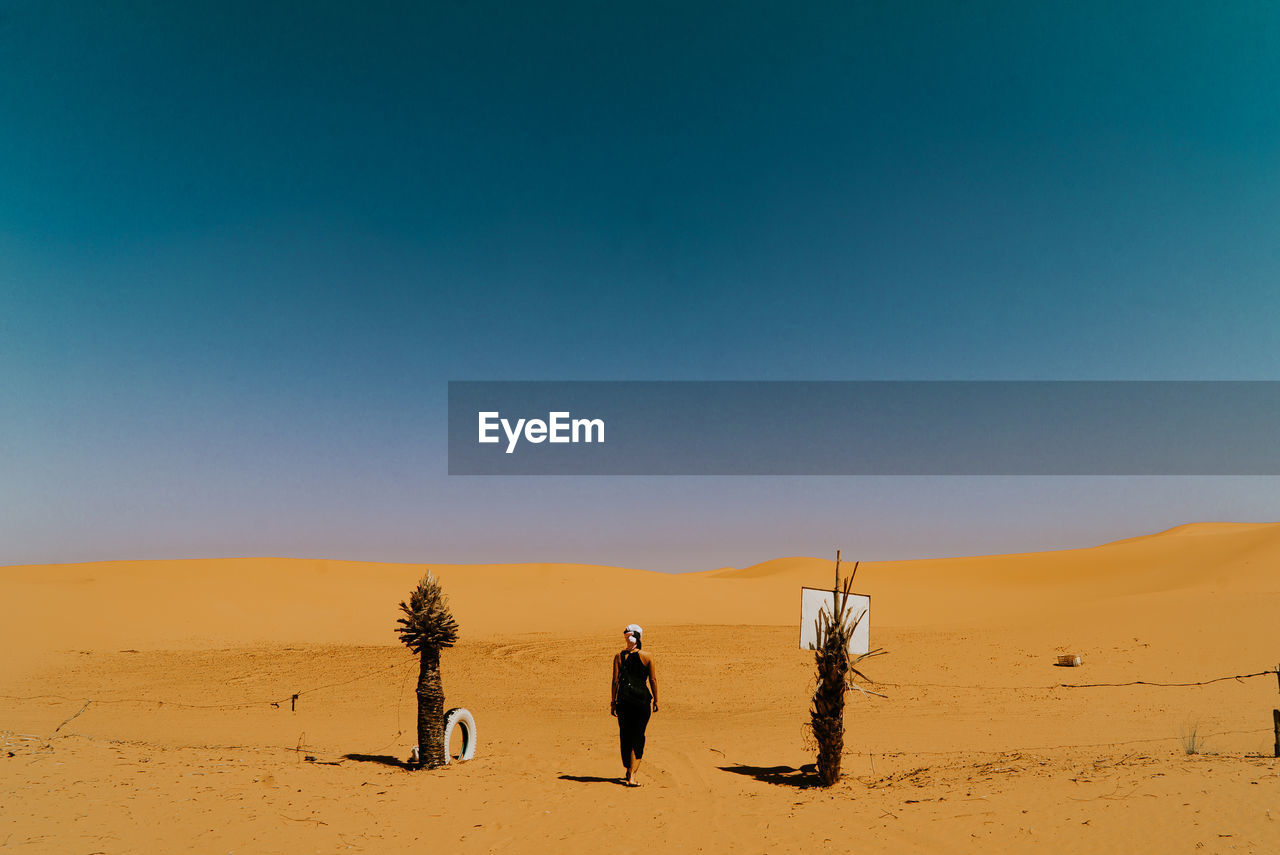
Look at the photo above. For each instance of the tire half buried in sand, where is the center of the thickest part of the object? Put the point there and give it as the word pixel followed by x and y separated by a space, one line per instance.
pixel 467 724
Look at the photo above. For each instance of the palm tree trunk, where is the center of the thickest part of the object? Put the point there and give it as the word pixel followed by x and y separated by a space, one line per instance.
pixel 430 711
pixel 828 711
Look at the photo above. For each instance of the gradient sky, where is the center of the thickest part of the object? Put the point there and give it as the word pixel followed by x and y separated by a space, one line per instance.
pixel 244 246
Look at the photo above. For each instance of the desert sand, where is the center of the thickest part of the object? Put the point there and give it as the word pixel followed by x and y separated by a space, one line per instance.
pixel 146 706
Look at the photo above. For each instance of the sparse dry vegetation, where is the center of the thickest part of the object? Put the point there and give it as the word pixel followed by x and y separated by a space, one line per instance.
pixel 1192 738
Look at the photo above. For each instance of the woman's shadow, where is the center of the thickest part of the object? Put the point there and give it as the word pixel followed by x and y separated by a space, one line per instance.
pixel 592 779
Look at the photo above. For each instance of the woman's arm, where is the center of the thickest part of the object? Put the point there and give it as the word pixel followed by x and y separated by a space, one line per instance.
pixel 613 692
pixel 653 682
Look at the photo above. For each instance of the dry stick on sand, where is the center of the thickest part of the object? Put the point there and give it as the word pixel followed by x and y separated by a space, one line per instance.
pixel 68 721
pixel 834 664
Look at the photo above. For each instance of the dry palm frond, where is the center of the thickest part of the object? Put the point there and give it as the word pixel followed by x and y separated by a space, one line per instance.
pixel 427 623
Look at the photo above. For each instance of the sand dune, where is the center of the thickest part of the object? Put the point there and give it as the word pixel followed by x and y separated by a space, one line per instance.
pixel 974 748
pixel 256 600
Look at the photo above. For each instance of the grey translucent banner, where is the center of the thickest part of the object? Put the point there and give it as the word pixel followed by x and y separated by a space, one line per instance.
pixel 864 428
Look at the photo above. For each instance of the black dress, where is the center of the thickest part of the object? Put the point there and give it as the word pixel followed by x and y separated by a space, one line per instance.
pixel 634 705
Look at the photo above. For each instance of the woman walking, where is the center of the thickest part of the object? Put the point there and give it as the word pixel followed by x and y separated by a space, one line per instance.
pixel 634 697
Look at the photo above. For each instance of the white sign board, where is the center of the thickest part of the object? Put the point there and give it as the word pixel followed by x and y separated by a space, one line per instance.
pixel 813 600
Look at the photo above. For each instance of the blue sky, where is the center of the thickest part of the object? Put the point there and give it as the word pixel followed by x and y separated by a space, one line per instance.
pixel 243 248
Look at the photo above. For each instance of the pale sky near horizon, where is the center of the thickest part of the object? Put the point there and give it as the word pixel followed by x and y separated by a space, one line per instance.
pixel 244 247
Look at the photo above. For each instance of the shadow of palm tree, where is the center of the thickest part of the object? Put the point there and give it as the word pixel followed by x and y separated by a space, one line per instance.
pixel 591 779
pixel 786 776
pixel 384 759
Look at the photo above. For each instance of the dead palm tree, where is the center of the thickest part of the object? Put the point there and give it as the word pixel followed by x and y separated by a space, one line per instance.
pixel 835 663
pixel 427 628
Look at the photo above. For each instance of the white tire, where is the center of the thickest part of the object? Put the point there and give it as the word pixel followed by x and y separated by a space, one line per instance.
pixel 467 723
